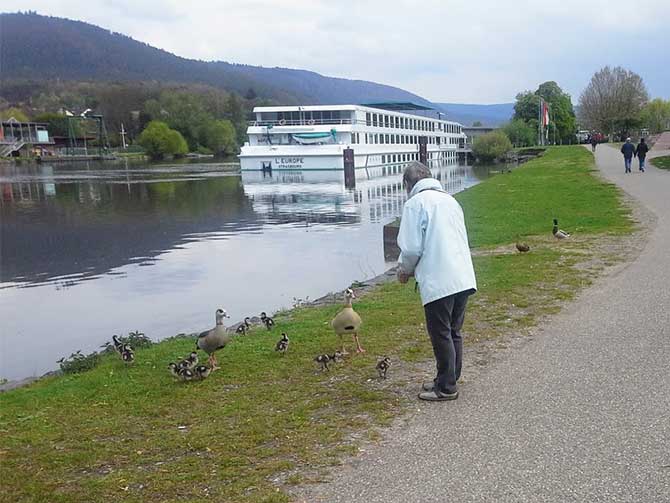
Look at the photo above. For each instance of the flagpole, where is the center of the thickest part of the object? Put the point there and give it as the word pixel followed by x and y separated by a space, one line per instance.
pixel 539 122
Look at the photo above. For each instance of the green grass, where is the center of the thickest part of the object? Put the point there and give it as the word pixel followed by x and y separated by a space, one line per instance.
pixel 524 202
pixel 266 422
pixel 661 162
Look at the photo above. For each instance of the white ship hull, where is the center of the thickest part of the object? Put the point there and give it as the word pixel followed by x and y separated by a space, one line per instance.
pixel 314 138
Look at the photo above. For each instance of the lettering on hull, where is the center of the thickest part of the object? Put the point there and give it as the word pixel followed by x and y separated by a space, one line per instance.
pixel 289 162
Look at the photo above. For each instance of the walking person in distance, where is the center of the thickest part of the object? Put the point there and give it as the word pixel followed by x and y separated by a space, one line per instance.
pixel 641 153
pixel 628 151
pixel 434 248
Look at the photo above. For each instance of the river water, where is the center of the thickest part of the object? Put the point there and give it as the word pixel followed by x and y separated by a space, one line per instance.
pixel 88 250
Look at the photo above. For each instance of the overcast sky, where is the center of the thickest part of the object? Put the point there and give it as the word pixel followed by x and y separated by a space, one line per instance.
pixel 464 51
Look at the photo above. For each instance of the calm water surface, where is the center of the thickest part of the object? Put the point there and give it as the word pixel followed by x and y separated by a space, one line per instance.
pixel 91 250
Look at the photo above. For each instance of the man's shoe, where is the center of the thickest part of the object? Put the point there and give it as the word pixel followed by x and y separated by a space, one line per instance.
pixel 437 396
pixel 428 386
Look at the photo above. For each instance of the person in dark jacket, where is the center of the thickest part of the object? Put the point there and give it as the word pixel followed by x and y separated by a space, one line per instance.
pixel 628 151
pixel 641 152
pixel 594 143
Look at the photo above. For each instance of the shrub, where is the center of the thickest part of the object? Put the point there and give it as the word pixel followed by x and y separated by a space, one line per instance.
pixel 79 362
pixel 491 146
pixel 159 140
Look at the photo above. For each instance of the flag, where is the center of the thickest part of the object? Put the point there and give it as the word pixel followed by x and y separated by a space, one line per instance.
pixel 545 114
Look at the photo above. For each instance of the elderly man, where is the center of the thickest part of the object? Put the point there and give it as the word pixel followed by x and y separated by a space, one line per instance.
pixel 434 249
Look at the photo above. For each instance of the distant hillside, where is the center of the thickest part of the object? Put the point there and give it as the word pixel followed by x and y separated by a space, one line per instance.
pixel 38 47
pixel 488 115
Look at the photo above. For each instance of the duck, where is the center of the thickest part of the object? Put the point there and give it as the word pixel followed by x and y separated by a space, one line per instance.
pixel 118 345
pixel 247 322
pixel 186 374
pixel 174 369
pixel 267 321
pixel 189 362
pixel 128 355
pixel 383 366
pixel 212 340
pixel 324 359
pixel 202 371
pixel 241 329
pixel 558 233
pixel 522 247
pixel 282 344
pixel 347 321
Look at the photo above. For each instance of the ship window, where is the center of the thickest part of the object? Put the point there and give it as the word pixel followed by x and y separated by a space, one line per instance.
pixel 381 137
pixel 383 159
pixel 368 119
pixel 397 138
pixel 397 122
pixel 374 120
pixel 387 139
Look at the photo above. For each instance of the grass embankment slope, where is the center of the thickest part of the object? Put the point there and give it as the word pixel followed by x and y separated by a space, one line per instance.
pixel 264 421
pixel 662 162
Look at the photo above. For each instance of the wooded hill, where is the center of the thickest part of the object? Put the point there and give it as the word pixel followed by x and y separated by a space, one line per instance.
pixel 35 47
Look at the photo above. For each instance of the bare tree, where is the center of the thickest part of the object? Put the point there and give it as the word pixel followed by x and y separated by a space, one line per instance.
pixel 612 101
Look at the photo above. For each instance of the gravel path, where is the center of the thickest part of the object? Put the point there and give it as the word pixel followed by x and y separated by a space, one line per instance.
pixel 578 413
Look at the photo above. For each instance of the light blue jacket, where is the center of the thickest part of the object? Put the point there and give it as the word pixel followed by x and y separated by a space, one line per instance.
pixel 433 242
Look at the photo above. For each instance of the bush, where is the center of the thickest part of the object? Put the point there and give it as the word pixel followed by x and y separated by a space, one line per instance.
pixel 520 133
pixel 159 140
pixel 79 362
pixel 136 340
pixel 491 146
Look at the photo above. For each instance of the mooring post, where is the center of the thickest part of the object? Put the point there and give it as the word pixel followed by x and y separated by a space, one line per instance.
pixel 349 168
pixel 423 150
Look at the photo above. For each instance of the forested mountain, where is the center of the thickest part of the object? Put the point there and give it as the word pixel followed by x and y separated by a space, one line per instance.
pixel 488 115
pixel 35 47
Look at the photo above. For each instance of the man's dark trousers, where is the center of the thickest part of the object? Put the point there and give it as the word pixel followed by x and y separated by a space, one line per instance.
pixel 444 320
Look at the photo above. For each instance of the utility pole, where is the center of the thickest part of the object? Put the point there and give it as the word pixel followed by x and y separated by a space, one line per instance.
pixel 123 136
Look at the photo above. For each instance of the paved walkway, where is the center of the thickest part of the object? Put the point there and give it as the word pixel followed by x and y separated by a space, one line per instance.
pixel 578 413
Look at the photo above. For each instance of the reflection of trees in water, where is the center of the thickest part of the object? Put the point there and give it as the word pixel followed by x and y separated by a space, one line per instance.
pixel 87 228
pixel 76 229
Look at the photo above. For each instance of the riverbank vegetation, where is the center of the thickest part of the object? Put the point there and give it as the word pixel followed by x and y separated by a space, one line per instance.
pixel 210 119
pixel 266 422
pixel 491 146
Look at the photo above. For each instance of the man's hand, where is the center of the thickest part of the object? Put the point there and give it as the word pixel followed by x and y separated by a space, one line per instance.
pixel 403 277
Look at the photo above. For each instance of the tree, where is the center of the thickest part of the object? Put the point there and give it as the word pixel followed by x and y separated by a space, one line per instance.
pixel 250 94
pixel 562 120
pixel 59 125
pixel 656 115
pixel 491 146
pixel 613 100
pixel 520 133
pixel 477 124
pixel 219 137
pixel 235 114
pixel 10 112
pixel 159 140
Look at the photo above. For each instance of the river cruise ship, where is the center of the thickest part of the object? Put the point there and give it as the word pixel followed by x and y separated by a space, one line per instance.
pixel 383 136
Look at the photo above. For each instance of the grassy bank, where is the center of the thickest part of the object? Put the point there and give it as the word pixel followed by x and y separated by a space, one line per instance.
pixel 661 162
pixel 265 422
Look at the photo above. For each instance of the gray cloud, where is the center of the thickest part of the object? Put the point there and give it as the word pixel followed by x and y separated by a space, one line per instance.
pixel 481 51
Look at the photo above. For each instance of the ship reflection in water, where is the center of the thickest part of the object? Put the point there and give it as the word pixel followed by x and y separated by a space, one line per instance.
pixel 90 250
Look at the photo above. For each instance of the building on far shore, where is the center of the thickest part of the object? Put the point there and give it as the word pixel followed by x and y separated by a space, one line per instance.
pixel 24 138
pixel 472 132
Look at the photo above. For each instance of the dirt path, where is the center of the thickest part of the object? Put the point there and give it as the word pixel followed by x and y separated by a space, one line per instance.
pixel 580 412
